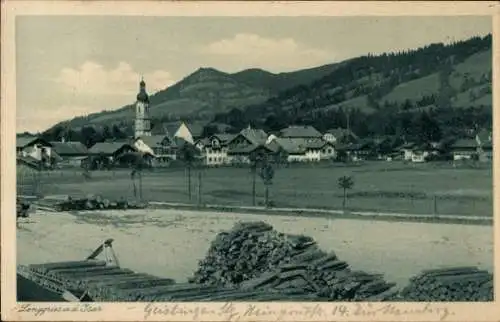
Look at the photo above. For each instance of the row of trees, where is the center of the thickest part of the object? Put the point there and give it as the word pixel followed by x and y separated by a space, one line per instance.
pixel 260 165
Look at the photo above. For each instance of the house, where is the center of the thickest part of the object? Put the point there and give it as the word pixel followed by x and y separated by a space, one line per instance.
pixel 362 150
pixel 105 154
pixel 249 136
pixel 71 154
pixel 340 135
pixel 215 149
pixel 485 145
pixel 189 132
pixel 300 131
pixel 161 147
pixel 304 150
pixel 248 141
pixel 33 146
pixel 420 153
pixel 241 154
pixel 406 150
pixel 486 152
pixel 464 149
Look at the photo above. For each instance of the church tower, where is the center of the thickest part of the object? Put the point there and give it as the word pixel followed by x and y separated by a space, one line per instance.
pixel 142 120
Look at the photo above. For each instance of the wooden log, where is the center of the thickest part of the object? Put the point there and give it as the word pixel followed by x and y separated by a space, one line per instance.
pixel 334 266
pixel 103 279
pixel 329 257
pixel 284 276
pixel 449 271
pixel 70 264
pixel 296 282
pixel 311 254
pixel 263 280
pixel 80 270
pixel 93 274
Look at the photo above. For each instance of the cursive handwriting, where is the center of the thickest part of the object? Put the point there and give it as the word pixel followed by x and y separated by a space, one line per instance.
pixel 41 309
pixel 300 311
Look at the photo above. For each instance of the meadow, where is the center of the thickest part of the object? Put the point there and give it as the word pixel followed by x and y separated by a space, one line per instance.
pixel 427 188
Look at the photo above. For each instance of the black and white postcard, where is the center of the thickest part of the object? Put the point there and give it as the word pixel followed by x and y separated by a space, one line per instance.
pixel 249 161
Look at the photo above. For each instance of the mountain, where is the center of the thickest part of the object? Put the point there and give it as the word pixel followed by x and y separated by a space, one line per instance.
pixel 374 91
pixel 447 81
pixel 282 81
pixel 204 93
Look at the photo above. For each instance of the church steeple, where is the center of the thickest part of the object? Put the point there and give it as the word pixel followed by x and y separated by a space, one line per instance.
pixel 142 120
pixel 142 96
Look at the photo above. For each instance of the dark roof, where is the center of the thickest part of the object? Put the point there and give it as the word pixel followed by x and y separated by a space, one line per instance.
pixel 108 147
pixel 408 145
pixel 341 133
pixel 273 146
pixel 171 128
pixel 195 129
pixel 299 145
pixel 290 146
pixel 351 146
pixel 204 141
pixel 153 140
pixel 69 148
pixel 255 136
pixel 24 141
pixel 299 131
pixel 465 144
pixel 488 145
pixel 224 137
pixel 248 148
pixel 484 136
pixel 29 161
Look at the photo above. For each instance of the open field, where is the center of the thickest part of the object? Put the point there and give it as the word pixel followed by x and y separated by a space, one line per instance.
pixel 379 186
pixel 169 243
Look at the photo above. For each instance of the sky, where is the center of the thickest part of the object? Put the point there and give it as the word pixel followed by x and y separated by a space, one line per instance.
pixel 69 66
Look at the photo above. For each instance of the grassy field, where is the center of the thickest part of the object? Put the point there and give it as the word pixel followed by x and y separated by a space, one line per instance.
pixel 379 186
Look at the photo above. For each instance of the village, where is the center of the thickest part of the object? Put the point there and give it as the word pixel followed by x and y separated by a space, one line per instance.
pixel 160 146
pixel 255 183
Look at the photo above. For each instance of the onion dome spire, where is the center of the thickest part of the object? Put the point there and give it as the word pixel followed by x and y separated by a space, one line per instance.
pixel 142 96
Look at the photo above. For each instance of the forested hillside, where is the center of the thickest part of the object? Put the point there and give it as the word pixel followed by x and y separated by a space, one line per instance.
pixel 447 88
pixel 434 91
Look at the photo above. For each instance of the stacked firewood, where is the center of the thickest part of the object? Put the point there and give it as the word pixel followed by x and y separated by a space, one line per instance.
pixel 242 253
pixel 22 208
pixel 450 284
pixel 95 203
pixel 253 256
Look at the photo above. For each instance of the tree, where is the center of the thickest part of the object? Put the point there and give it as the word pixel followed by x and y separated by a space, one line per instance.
pixel 256 158
pixel 139 164
pixel 117 133
pixel 106 133
pixel 188 154
pixel 267 175
pixel 345 183
pixel 209 130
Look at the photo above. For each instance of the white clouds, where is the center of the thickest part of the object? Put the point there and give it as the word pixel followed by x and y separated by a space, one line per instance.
pixel 94 79
pixel 252 50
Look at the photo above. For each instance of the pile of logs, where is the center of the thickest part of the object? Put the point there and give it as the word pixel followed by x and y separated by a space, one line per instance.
pixel 95 203
pixel 253 256
pixel 450 284
pixel 101 283
pixel 23 208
